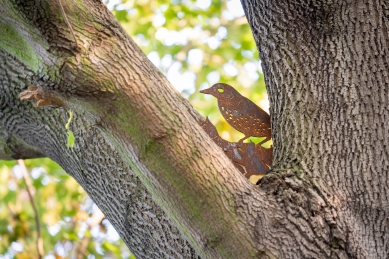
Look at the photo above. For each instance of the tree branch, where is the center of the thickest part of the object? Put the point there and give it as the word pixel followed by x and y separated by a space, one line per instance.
pixel 67 21
pixel 80 250
pixel 13 147
pixel 27 182
pixel 146 142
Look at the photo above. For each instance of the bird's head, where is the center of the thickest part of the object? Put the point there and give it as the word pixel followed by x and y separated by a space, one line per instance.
pixel 220 91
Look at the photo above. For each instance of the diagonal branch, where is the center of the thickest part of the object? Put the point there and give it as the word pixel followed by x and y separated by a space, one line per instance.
pixel 67 21
pixel 27 182
pixel 148 164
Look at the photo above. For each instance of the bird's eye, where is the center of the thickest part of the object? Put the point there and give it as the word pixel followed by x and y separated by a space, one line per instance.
pixel 220 90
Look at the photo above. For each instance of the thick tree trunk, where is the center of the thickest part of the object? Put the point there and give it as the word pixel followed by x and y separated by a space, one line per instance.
pixel 165 186
pixel 326 68
pixel 136 137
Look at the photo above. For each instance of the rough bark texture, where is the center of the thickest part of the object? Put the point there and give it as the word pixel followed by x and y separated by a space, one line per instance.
pixel 136 137
pixel 326 68
pixel 94 163
pixel 168 190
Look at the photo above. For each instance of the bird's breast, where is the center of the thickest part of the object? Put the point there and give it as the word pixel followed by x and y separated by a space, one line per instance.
pixel 249 121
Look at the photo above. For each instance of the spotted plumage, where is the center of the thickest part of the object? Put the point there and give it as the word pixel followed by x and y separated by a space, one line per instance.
pixel 241 113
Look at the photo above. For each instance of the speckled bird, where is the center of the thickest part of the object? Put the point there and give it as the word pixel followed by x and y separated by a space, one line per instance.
pixel 241 113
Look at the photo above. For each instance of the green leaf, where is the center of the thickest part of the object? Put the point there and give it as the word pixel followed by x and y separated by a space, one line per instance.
pixel 70 139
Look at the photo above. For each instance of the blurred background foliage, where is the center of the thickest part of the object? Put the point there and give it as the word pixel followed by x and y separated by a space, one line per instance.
pixel 195 43
pixel 71 224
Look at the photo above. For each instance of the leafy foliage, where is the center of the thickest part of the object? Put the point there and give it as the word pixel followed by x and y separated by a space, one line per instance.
pixel 196 44
pixel 65 213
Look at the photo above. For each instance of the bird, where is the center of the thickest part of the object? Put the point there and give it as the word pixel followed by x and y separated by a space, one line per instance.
pixel 241 113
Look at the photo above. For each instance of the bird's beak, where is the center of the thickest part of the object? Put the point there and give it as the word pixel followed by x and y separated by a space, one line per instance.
pixel 206 91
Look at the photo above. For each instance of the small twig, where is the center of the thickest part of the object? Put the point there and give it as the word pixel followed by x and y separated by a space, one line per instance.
pixel 67 21
pixel 27 182
pixel 96 218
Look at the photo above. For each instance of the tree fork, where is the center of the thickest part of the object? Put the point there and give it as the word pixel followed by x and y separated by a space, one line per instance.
pixel 137 138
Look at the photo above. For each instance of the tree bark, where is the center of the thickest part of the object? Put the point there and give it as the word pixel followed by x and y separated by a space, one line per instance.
pixel 130 126
pixel 165 186
pixel 326 69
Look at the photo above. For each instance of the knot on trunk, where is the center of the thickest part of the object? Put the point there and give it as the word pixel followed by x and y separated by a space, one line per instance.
pixel 42 98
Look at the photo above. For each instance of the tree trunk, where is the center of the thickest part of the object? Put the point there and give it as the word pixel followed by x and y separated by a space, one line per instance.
pixel 165 186
pixel 326 69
